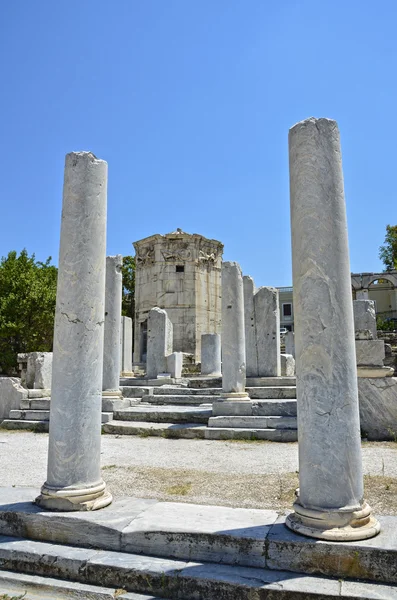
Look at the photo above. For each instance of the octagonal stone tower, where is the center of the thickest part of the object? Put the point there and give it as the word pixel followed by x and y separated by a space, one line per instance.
pixel 181 273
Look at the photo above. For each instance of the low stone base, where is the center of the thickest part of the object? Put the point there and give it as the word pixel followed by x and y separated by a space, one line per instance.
pixel 66 499
pixel 334 526
pixel 374 372
pixel 235 396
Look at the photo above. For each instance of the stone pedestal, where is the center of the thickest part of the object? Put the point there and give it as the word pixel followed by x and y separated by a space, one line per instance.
pixel 175 364
pixel 330 501
pixel 126 347
pixel 233 334
pixel 111 345
pixel 211 354
pixel 74 479
pixel 159 342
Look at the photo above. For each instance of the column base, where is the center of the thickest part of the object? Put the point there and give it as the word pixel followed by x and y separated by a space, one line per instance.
pixel 335 526
pixel 240 396
pixel 375 371
pixel 69 499
pixel 112 394
pixel 127 374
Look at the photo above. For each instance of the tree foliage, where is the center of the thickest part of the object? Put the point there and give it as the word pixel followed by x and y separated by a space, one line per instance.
pixel 128 271
pixel 27 307
pixel 388 252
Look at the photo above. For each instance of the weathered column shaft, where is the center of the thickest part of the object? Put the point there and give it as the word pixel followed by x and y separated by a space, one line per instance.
pixel 267 326
pixel 251 355
pixel 159 342
pixel 126 347
pixel 74 477
pixel 330 503
pixel 233 334
pixel 211 354
pixel 111 348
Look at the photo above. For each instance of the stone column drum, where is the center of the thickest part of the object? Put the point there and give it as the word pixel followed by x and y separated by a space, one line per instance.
pixel 211 354
pixel 111 346
pixel 74 479
pixel 330 502
pixel 233 334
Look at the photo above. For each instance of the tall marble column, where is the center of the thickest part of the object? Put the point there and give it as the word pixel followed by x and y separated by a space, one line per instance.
pixel 330 502
pixel 233 333
pixel 111 346
pixel 74 479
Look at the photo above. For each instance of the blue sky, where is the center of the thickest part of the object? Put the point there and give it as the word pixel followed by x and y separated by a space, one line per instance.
pixel 190 102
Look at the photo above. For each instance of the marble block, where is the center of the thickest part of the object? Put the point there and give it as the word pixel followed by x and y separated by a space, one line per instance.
pixel 174 364
pixel 370 352
pixel 364 317
pixel 287 365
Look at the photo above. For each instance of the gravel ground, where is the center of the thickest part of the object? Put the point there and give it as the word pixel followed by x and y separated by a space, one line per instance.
pixel 251 474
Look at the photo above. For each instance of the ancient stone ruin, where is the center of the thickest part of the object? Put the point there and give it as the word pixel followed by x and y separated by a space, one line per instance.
pixel 74 532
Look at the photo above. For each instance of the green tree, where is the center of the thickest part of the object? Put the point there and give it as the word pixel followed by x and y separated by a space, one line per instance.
pixel 388 252
pixel 27 307
pixel 128 271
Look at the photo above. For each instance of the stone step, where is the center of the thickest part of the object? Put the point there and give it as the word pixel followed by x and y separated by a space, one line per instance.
pixel 38 426
pixel 197 430
pixel 270 381
pixel 173 578
pixel 146 429
pixel 143 382
pixel 137 391
pixel 179 400
pixel 35 403
pixel 30 415
pixel 36 587
pixel 256 408
pixel 39 393
pixel 158 414
pixel 238 433
pixel 36 420
pixel 249 422
pixel 184 391
pixel 272 392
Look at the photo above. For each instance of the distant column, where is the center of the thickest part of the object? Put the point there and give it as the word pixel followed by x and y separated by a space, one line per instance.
pixel 330 503
pixel 211 354
pixel 233 334
pixel 290 343
pixel 126 347
pixel 111 348
pixel 159 342
pixel 267 325
pixel 74 479
pixel 249 326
